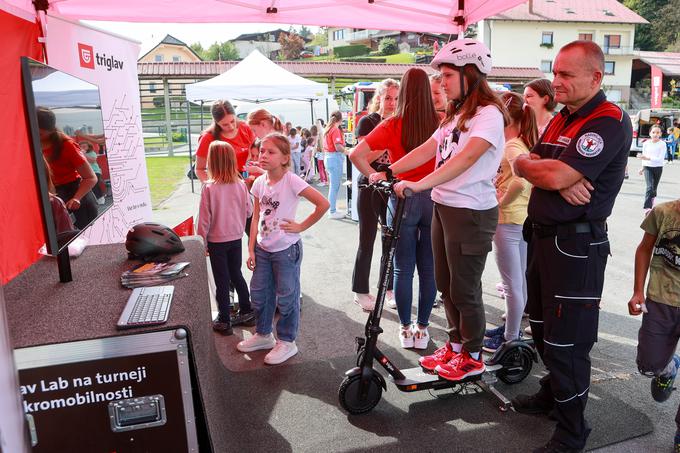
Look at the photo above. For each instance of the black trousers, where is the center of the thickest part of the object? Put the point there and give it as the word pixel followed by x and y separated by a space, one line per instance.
pixel 225 262
pixel 652 178
pixel 371 207
pixel 88 209
pixel 565 276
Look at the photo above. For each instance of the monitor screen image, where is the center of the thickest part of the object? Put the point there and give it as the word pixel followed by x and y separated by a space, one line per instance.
pixel 69 151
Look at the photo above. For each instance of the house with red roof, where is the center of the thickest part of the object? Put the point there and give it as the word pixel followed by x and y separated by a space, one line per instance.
pixel 532 33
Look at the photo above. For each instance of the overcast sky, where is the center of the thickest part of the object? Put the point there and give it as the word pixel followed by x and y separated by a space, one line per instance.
pixel 150 34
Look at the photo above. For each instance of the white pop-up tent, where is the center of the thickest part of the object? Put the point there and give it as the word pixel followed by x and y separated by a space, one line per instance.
pixel 256 79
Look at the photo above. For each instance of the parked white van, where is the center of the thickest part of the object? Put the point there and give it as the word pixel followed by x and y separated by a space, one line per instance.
pixel 298 113
pixel 645 119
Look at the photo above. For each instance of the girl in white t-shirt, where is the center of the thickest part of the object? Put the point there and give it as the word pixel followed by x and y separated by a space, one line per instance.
pixel 468 147
pixel 652 156
pixel 275 250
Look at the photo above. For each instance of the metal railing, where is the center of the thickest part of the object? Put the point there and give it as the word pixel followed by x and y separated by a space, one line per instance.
pixel 609 50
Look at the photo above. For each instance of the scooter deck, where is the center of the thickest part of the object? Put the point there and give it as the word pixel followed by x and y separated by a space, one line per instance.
pixel 419 379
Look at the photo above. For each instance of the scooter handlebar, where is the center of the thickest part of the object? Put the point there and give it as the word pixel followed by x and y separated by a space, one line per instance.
pixel 387 186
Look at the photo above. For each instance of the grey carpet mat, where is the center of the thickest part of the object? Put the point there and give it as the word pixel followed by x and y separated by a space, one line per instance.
pixel 294 406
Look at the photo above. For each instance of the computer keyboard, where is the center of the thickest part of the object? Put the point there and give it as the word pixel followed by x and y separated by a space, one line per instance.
pixel 147 306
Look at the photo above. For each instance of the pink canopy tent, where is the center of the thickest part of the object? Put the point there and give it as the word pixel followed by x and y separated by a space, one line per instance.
pixel 440 16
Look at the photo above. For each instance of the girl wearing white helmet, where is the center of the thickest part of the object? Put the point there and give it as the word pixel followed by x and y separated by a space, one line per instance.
pixel 468 147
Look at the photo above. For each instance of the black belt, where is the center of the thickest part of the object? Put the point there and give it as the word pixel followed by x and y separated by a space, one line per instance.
pixel 569 228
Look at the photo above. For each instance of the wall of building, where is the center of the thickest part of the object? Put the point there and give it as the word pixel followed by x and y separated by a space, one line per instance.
pixel 264 47
pixel 334 41
pixel 169 53
pixel 517 43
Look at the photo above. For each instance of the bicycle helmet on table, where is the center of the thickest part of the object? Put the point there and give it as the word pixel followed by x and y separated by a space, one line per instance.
pixel 152 241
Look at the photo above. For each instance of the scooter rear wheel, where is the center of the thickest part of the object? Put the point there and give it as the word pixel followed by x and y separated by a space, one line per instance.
pixel 516 366
pixel 349 397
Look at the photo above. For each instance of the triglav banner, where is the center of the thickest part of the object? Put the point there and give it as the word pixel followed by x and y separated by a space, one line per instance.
pixel 111 63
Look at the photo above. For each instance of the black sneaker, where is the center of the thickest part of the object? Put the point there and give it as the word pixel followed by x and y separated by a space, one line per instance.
pixel 222 327
pixel 532 404
pixel 246 319
pixel 662 386
pixel 554 446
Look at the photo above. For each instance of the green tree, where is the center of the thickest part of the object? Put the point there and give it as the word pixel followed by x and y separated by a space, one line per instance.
pixel 291 46
pixel 221 51
pixel 198 48
pixel 645 37
pixel 665 28
pixel 320 38
pixel 388 46
pixel 304 32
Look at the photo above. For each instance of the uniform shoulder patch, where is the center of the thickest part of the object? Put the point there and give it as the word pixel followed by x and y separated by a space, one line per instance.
pixel 590 144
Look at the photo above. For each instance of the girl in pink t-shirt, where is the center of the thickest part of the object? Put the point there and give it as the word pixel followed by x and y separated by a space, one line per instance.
pixel 225 206
pixel 275 250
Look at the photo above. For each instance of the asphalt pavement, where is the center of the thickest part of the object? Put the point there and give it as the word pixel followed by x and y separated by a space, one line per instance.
pixel 613 357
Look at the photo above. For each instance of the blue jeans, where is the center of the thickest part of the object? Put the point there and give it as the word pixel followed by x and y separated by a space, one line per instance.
pixel 225 262
pixel 276 281
pixel 296 157
pixel 414 249
pixel 334 163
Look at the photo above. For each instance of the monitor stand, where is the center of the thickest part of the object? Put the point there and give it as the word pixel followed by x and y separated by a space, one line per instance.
pixel 64 263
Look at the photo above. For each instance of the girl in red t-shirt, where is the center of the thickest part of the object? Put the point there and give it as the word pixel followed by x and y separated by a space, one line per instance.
pixel 414 121
pixel 227 128
pixel 70 172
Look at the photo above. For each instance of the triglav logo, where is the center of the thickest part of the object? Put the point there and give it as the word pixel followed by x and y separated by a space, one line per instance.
pixel 88 58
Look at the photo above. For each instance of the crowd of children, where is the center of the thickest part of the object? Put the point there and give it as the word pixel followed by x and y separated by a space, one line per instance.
pixel 468 195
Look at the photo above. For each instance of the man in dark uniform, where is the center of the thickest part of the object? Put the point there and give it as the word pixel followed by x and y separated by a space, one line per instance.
pixel 577 170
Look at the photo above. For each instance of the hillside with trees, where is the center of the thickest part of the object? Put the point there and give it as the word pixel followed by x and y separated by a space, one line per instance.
pixel 661 34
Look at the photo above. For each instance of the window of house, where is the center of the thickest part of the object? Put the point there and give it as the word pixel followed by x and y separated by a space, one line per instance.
pixel 547 37
pixel 546 66
pixel 609 67
pixel 158 58
pixel 176 58
pixel 585 36
pixel 152 88
pixel 272 38
pixel 612 41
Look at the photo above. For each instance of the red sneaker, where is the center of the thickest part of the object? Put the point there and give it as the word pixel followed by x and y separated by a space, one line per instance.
pixel 460 367
pixel 441 356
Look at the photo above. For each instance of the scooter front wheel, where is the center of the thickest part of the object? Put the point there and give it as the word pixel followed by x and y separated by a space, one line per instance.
pixel 350 398
pixel 516 365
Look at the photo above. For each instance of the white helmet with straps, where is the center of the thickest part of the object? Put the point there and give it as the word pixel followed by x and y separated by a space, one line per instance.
pixel 462 52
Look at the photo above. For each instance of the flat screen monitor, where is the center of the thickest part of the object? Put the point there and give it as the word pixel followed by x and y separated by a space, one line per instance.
pixel 69 151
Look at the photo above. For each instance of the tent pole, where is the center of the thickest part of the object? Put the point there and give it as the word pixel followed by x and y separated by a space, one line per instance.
pixel 192 170
pixel 311 108
pixel 201 115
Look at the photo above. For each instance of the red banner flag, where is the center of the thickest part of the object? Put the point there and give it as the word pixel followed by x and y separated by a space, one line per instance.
pixel 185 228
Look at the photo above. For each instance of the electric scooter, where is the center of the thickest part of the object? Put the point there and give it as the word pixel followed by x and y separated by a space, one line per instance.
pixel 362 387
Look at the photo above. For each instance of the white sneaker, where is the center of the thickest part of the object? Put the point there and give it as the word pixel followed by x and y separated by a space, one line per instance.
pixel 504 316
pixel 320 184
pixel 337 215
pixel 257 342
pixel 283 351
pixel 365 301
pixel 421 337
pixel 527 330
pixel 390 301
pixel 406 336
